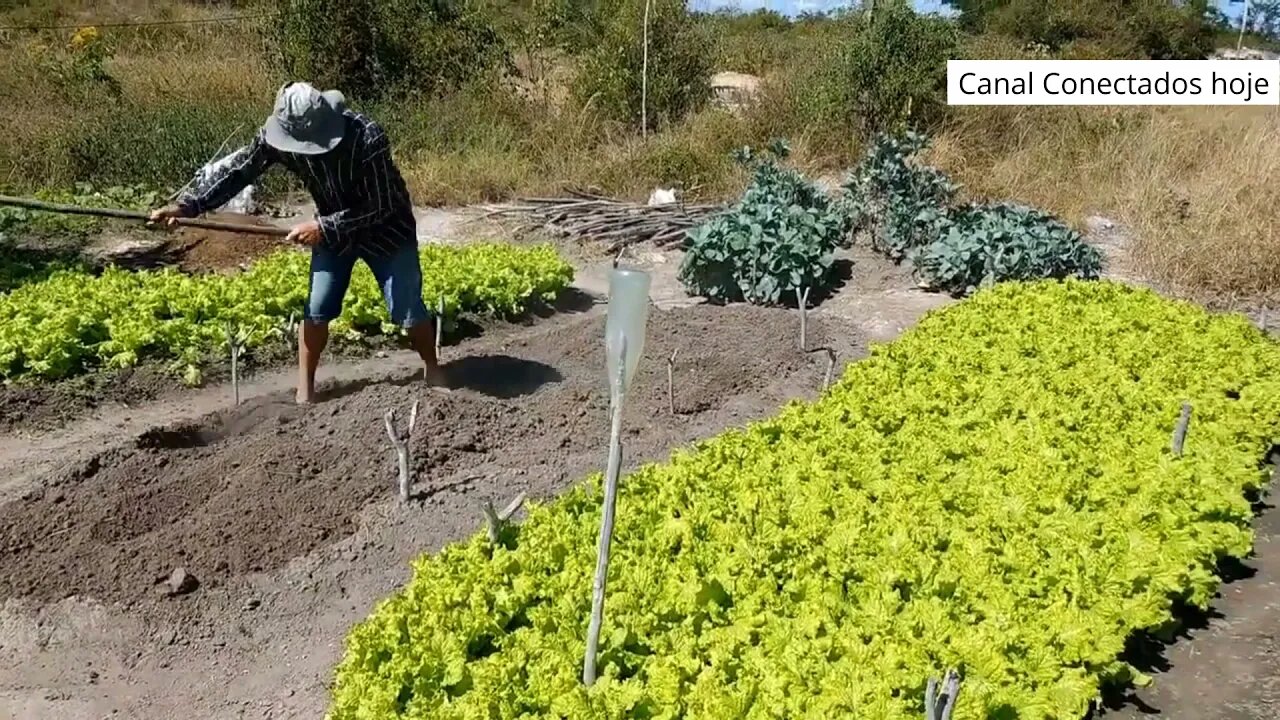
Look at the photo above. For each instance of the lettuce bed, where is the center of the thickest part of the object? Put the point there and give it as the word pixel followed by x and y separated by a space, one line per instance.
pixel 75 322
pixel 994 491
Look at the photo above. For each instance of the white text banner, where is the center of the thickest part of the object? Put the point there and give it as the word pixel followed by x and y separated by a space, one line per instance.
pixel 1113 82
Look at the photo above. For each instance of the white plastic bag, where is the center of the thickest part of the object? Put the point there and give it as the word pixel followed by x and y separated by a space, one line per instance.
pixel 244 202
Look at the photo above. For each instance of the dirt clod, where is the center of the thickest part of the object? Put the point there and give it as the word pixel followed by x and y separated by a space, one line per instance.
pixel 181 582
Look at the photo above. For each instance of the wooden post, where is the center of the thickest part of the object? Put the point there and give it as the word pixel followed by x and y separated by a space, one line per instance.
pixel 1180 431
pixel 671 371
pixel 439 325
pixel 644 77
pixel 606 523
pixel 236 340
pixel 401 444
pixel 802 300
pixel 1244 22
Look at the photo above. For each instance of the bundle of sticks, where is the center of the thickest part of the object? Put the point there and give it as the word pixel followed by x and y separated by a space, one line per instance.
pixel 585 215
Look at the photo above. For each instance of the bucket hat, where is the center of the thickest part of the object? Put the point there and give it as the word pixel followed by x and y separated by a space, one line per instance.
pixel 305 120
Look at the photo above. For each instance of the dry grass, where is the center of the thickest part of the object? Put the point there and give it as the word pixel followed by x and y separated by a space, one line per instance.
pixel 1193 185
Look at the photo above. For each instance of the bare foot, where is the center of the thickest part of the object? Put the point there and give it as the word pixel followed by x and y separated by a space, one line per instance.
pixel 304 398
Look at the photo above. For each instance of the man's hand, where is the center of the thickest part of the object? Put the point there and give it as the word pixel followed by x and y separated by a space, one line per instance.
pixel 167 216
pixel 308 233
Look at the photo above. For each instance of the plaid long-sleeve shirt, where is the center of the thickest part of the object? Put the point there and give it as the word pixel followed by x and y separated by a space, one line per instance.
pixel 361 200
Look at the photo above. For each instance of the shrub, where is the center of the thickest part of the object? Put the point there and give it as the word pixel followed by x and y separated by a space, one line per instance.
pixel 780 237
pixel 679 63
pixel 993 491
pixel 906 209
pixel 891 70
pixel 372 48
pixel 984 244
pixel 81 67
pixel 1156 29
pixel 899 202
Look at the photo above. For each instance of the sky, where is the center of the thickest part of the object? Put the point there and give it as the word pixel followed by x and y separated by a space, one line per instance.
pixel 795 7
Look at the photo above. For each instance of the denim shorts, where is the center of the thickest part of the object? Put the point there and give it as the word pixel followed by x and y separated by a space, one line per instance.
pixel 399 275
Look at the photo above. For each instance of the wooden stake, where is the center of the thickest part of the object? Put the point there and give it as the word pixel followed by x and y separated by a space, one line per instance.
pixel 644 77
pixel 1244 22
pixel 1180 431
pixel 495 520
pixel 291 332
pixel 236 340
pixel 802 300
pixel 1262 319
pixel 831 364
pixel 439 325
pixel 671 371
pixel 401 444
pixel 940 707
pixel 606 524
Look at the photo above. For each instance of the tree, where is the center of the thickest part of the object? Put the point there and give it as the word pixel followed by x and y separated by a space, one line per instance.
pixel 1157 29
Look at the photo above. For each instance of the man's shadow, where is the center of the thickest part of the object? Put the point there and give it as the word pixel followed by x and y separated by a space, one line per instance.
pixel 499 376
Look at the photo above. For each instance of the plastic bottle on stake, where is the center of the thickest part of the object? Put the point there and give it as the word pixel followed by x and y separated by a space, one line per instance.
pixel 628 315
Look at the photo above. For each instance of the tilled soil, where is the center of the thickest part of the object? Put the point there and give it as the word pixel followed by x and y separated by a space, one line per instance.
pixel 247 490
pixel 43 407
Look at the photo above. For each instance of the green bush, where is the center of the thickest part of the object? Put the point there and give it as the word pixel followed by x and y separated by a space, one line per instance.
pixel 679 64
pixel 984 244
pixel 900 203
pixel 890 70
pixel 1156 29
pixel 906 207
pixel 780 237
pixel 373 48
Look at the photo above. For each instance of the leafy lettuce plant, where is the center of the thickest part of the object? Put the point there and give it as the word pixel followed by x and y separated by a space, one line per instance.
pixel 779 237
pixel 994 491
pixel 75 322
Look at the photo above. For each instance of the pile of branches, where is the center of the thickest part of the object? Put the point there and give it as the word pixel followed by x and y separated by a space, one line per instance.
pixel 589 216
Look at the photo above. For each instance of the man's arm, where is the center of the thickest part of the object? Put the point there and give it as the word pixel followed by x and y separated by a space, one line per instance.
pixel 255 158
pixel 376 173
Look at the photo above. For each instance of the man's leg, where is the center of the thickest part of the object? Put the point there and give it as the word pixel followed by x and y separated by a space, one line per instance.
pixel 330 276
pixel 400 277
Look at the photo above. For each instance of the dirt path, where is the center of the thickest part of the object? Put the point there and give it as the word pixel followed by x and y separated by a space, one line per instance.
pixel 1226 666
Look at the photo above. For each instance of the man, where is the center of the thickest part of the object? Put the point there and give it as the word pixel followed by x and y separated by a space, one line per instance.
pixel 363 212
